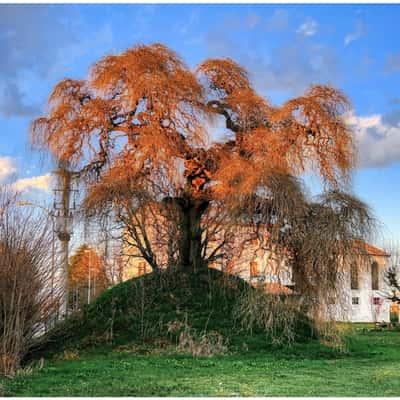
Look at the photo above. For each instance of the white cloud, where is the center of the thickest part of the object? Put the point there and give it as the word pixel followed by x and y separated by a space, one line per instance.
pixel 7 168
pixel 377 138
pixel 8 174
pixel 38 183
pixel 359 32
pixel 308 28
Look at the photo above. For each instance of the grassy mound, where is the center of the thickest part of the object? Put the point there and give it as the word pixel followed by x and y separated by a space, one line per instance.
pixel 154 309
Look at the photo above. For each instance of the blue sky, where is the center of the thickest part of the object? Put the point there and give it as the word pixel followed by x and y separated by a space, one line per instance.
pixel 284 47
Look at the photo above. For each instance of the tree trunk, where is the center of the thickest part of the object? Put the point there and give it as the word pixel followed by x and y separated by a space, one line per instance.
pixel 190 234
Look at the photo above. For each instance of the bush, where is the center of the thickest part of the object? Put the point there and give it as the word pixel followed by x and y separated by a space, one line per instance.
pixel 26 304
pixel 206 344
pixel 203 344
pixel 332 334
pixel 394 317
pixel 280 317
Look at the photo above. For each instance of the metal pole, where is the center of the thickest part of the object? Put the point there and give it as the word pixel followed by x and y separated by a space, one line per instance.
pixel 52 257
pixel 64 233
pixel 64 306
pixel 65 209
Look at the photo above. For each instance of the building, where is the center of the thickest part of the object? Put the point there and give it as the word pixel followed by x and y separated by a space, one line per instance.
pixel 361 296
pixel 365 287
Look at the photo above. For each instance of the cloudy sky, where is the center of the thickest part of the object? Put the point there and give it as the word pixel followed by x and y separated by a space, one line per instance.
pixel 284 47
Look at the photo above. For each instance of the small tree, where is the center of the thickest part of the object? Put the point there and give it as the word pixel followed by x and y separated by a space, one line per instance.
pixel 116 268
pixel 392 275
pixel 27 301
pixel 138 129
pixel 393 279
pixel 87 276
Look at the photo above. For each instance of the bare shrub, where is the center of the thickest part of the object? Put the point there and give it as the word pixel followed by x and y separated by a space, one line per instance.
pixel 206 344
pixel 198 344
pixel 392 273
pixel 331 334
pixel 175 326
pixel 393 281
pixel 30 368
pixel 128 348
pixel 277 315
pixel 26 300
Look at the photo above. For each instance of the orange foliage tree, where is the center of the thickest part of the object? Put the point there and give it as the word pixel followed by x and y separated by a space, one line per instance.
pixel 86 265
pixel 138 128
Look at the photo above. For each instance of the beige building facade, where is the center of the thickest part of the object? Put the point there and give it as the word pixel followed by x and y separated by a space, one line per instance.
pixel 362 292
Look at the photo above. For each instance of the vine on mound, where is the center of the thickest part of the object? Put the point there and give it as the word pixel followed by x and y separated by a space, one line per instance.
pixel 159 308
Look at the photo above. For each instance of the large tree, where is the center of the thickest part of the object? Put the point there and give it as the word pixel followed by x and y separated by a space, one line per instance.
pixel 142 129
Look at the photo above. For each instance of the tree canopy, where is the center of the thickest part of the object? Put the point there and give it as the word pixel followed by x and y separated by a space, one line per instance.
pixel 86 274
pixel 138 128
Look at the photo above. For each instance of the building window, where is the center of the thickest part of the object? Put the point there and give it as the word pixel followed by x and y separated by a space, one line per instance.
pixel 374 276
pixel 253 269
pixel 355 301
pixel 354 276
pixel 376 301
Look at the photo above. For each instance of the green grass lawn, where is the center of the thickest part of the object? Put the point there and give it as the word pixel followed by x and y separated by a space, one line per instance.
pixel 370 368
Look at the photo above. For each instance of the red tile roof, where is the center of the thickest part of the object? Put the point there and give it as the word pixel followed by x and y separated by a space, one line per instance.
pixel 370 250
pixel 274 288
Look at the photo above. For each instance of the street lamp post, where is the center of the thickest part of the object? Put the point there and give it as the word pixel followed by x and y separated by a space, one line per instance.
pixel 63 229
pixel 62 203
pixel 62 222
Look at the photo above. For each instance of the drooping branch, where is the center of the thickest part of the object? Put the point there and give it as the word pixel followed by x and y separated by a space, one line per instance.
pixel 137 127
